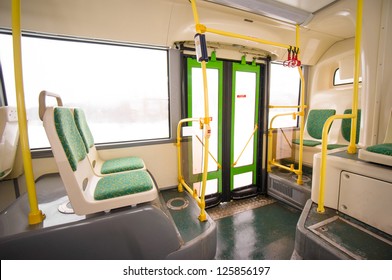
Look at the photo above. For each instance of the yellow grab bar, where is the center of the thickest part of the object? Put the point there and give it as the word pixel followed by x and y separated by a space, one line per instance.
pixel 352 147
pixel 203 29
pixel 301 114
pixel 35 215
pixel 323 166
pixel 178 144
pixel 285 106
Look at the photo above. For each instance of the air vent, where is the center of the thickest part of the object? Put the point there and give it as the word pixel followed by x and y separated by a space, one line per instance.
pixel 282 188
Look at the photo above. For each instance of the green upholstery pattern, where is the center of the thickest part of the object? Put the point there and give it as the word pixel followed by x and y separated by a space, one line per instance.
pixel 384 149
pixel 85 132
pixel 69 136
pixel 346 126
pixel 122 164
pixel 308 143
pixel 123 184
pixel 335 146
pixel 316 120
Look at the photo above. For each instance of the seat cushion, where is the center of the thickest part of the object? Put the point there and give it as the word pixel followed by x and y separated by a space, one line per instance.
pixel 335 146
pixel 122 164
pixel 308 143
pixel 123 184
pixel 384 149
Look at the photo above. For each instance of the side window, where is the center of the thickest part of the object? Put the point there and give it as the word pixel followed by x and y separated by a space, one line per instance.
pixel 123 89
pixel 284 91
pixel 337 81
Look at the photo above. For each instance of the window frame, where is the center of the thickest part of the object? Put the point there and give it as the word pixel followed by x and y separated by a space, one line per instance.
pixel 347 81
pixel 173 88
pixel 298 100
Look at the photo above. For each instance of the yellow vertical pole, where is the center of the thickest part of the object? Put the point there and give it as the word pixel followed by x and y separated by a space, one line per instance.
pixel 301 113
pixel 352 149
pixel 179 165
pixel 206 122
pixel 269 153
pixel 35 216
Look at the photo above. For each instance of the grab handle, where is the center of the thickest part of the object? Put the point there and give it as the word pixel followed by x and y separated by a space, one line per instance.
pixel 42 102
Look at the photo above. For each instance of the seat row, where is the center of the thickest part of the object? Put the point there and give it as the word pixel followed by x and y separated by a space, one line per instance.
pixel 92 184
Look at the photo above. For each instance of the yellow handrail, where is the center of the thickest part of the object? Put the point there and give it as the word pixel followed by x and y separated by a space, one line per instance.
pixel 178 144
pixel 301 114
pixel 204 29
pixel 271 161
pixel 323 166
pixel 284 106
pixel 352 147
pixel 181 182
pixel 35 215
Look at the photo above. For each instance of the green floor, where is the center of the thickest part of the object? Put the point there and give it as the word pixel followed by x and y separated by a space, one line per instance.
pixel 263 233
pixel 258 228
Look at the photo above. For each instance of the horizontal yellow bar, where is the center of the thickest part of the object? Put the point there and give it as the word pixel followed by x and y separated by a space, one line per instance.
pixel 244 37
pixel 284 107
pixel 281 115
pixel 291 168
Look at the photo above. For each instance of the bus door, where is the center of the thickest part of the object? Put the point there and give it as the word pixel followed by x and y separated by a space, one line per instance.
pixel 196 110
pixel 244 128
pixel 233 106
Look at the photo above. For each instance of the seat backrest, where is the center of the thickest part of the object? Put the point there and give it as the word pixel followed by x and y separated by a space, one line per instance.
pixel 388 133
pixel 84 129
pixel 9 137
pixel 316 120
pixel 88 139
pixel 69 136
pixel 346 126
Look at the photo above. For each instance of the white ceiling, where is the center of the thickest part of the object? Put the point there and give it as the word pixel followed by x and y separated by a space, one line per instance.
pixel 291 11
pixel 310 6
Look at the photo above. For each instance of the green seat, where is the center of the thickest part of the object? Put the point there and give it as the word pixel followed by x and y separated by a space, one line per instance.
pixel 383 149
pixel 88 192
pixel 123 184
pixel 308 143
pixel 380 153
pixel 103 166
pixel 314 126
pixel 346 130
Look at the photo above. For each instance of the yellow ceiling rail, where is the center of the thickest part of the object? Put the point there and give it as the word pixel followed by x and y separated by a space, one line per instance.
pixel 35 216
pixel 244 37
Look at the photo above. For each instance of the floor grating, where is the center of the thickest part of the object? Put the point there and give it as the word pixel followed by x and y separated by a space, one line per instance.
pixel 237 206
